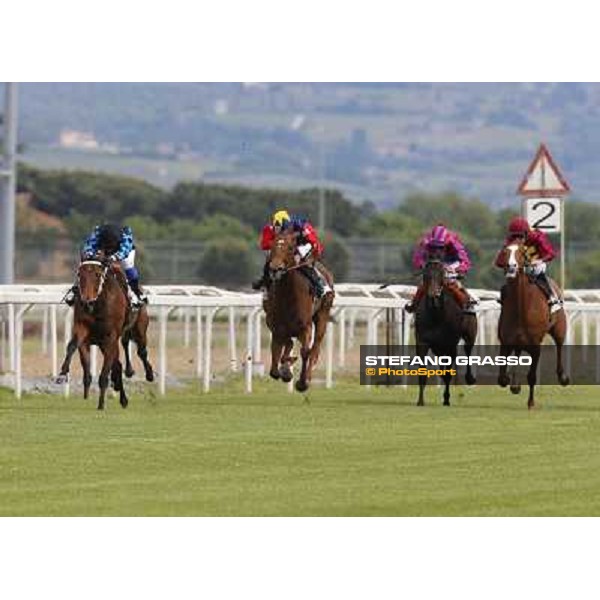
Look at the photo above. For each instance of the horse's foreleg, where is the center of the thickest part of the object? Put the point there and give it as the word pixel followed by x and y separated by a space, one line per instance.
pixel 117 378
pixel 304 338
pixel 422 352
pixel 276 351
pixel 534 351
pixel 84 359
pixel 79 335
pixel 285 371
pixel 503 379
pixel 110 350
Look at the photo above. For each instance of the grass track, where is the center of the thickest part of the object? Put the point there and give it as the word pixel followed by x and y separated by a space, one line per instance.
pixel 348 451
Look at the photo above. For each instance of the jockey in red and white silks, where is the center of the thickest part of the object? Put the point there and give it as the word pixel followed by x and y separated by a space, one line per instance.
pixel 540 253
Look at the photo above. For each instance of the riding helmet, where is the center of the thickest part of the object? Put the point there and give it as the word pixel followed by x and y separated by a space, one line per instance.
pixel 281 218
pixel 439 236
pixel 518 226
pixel 109 237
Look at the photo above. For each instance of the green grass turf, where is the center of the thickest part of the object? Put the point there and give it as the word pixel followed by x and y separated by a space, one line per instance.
pixel 347 451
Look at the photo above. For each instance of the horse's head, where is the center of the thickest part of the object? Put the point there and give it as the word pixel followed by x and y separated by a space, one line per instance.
pixel 514 259
pixel 91 276
pixel 434 277
pixel 282 254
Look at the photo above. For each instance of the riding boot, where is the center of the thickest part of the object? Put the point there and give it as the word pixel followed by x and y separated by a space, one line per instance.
pixel 414 302
pixel 553 300
pixel 315 281
pixel 265 280
pixel 71 295
pixel 140 298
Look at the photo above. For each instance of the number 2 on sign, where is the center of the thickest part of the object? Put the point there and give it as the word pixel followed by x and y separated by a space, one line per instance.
pixel 544 213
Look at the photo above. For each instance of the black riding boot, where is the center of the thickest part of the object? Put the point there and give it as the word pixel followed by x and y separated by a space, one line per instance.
pixel 134 284
pixel 544 284
pixel 264 281
pixel 71 295
pixel 314 279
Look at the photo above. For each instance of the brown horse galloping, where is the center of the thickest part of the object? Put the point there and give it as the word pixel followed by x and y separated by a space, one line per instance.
pixel 525 319
pixel 101 311
pixel 440 324
pixel 291 312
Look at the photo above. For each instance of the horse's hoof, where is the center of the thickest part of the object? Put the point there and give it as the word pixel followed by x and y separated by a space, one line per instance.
pixel 61 379
pixel 515 389
pixel 129 373
pixel 530 406
pixel 301 386
pixel 274 374
pixel 503 381
pixel 286 374
pixel 124 402
pixel 420 403
pixel 470 379
pixel 150 376
pixel 564 380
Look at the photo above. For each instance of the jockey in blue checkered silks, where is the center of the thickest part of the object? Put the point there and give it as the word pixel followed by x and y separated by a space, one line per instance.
pixel 117 244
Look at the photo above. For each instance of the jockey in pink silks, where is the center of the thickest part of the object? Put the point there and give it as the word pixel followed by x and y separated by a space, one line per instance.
pixel 447 245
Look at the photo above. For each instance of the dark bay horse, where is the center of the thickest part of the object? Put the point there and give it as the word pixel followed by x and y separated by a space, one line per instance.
pixel 440 324
pixel 101 310
pixel 292 312
pixel 525 320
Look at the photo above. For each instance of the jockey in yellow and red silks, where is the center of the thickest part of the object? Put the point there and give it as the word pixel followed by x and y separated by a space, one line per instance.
pixel 309 249
pixel 455 258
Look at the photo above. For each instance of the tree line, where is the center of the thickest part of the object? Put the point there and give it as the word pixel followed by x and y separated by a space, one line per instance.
pixel 227 219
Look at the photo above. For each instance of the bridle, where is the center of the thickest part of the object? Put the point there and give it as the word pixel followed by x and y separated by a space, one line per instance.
pixel 103 275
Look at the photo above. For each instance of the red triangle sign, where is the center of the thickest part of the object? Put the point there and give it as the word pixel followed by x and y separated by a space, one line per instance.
pixel 543 177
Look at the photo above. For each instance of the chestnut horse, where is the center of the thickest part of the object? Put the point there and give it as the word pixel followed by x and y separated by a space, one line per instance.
pixel 293 312
pixel 440 324
pixel 525 320
pixel 101 310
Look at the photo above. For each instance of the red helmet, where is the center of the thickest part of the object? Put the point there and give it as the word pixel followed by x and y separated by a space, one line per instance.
pixel 518 226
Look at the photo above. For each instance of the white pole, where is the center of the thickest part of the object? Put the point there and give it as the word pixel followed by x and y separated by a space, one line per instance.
pixel 162 349
pixel 249 349
pixel 258 337
pixel 19 352
pixel 45 330
pixel 186 327
pixel 3 344
pixel 54 340
pixel 11 336
pixel 198 342
pixel 207 348
pixel 232 344
pixel 597 350
pixel 68 331
pixel 342 338
pixel 329 351
pixel 94 361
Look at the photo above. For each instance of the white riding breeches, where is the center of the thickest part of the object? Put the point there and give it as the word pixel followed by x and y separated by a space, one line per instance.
pixel 129 261
pixel 537 267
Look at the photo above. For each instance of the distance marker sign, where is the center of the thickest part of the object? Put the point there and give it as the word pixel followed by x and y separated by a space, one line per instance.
pixel 544 213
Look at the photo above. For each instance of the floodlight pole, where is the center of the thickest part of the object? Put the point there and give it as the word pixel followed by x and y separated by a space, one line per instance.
pixel 7 186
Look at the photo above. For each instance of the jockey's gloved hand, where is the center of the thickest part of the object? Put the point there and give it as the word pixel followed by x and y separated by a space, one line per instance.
pixel 113 258
pixel 297 258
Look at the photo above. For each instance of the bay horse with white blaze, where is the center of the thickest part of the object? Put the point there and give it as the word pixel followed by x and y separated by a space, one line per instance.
pixel 440 324
pixel 525 319
pixel 100 313
pixel 293 312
